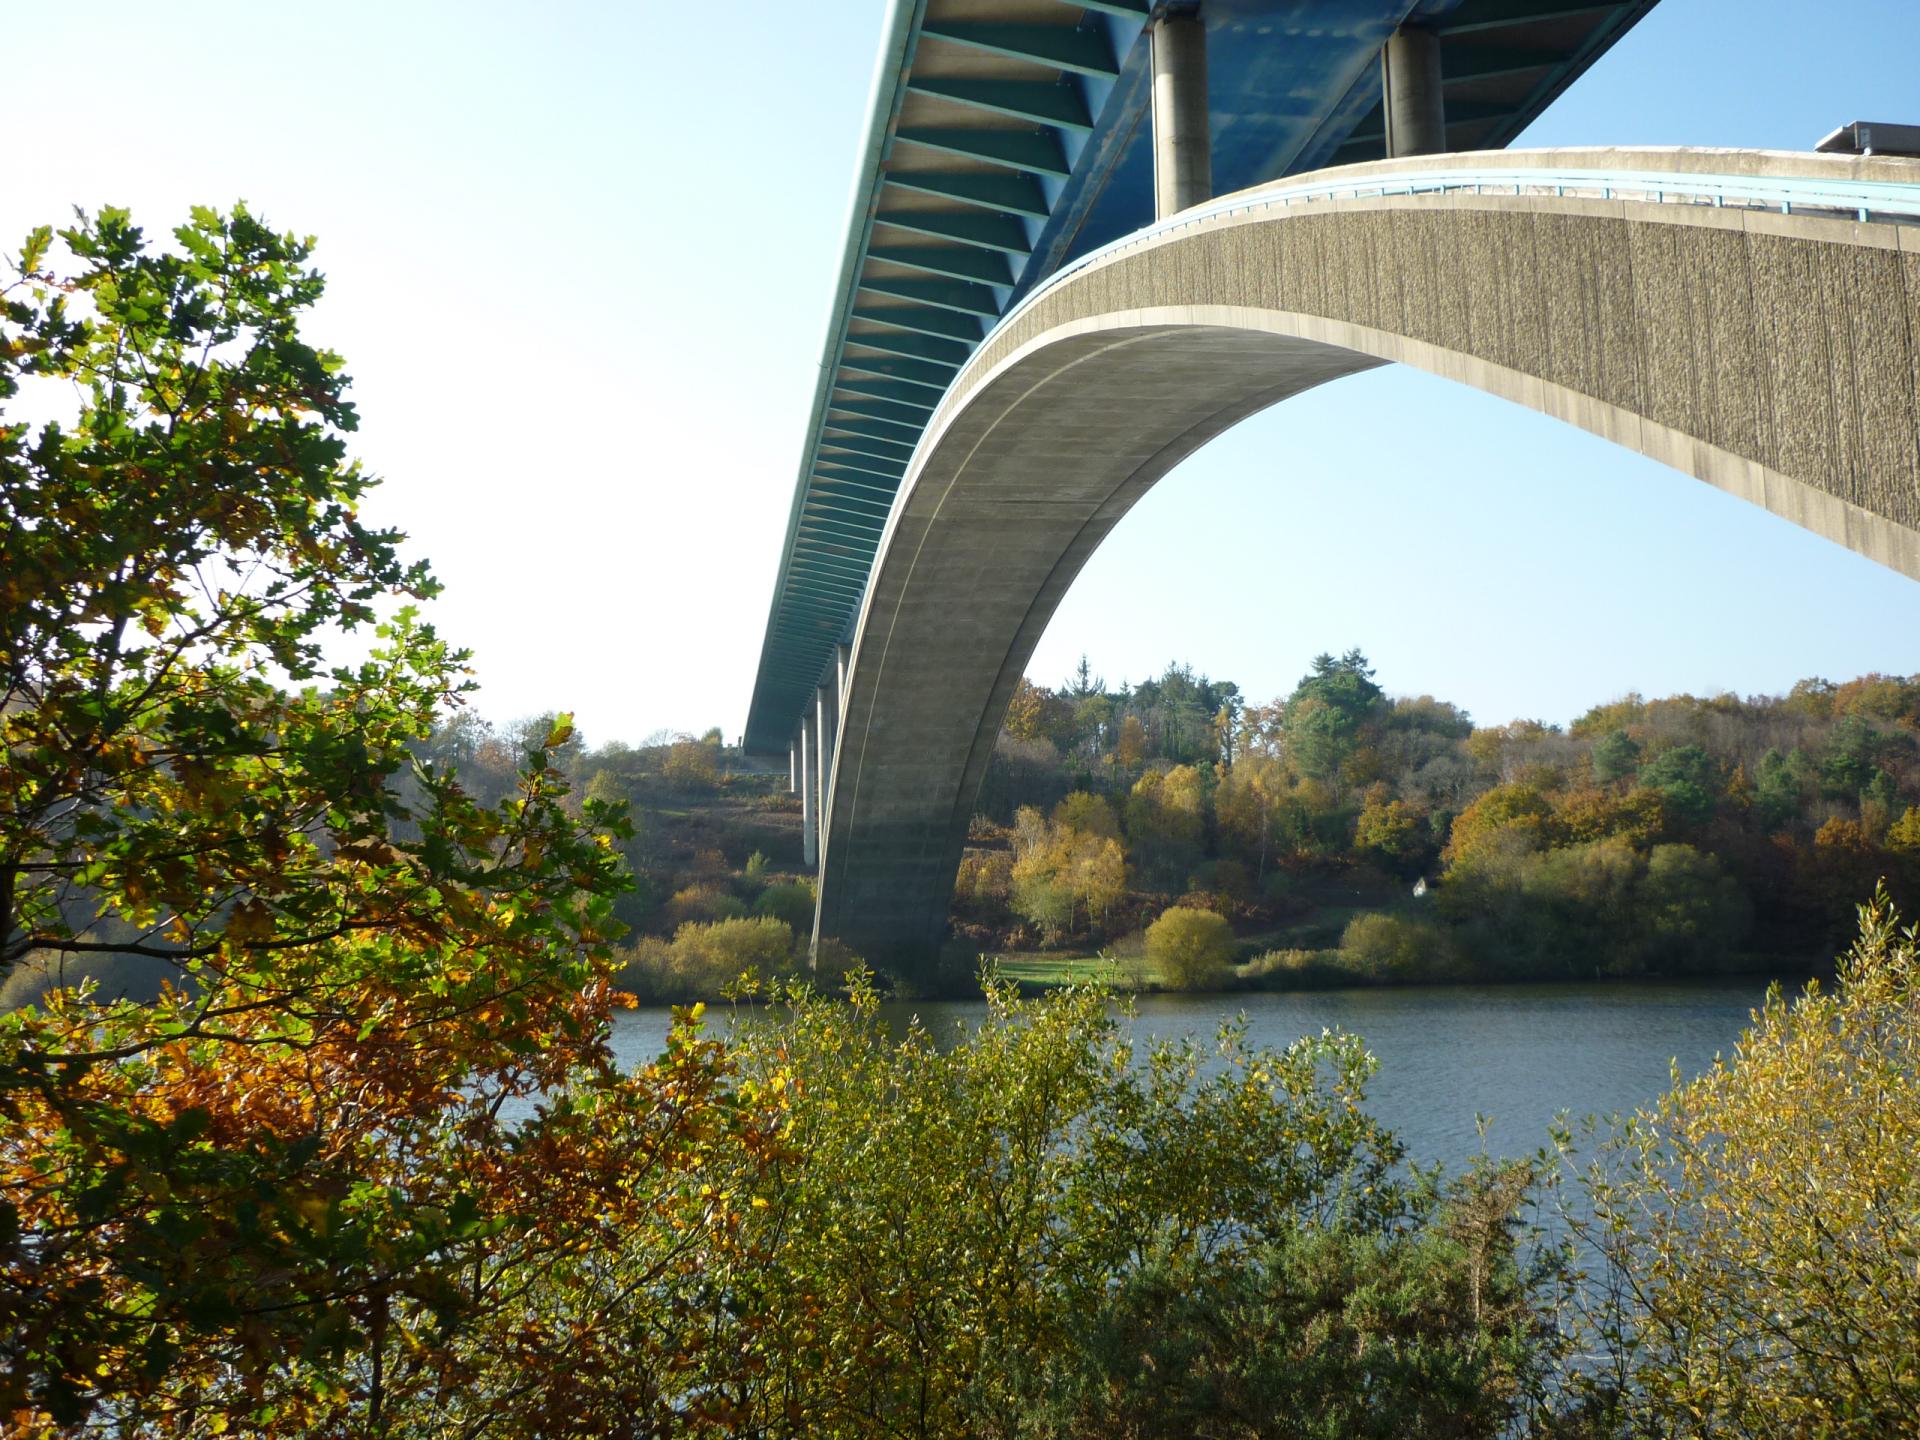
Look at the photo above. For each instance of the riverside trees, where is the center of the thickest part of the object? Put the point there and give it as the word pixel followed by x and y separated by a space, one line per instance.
pixel 1649 837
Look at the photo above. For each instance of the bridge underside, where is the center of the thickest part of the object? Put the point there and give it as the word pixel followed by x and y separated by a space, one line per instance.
pixel 1008 138
pixel 1771 355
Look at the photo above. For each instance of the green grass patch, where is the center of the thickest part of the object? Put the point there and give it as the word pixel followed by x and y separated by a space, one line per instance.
pixel 1050 970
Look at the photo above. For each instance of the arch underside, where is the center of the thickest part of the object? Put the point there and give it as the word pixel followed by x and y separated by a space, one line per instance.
pixel 1775 360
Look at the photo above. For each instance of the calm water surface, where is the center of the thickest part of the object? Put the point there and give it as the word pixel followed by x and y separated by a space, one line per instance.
pixel 1514 1053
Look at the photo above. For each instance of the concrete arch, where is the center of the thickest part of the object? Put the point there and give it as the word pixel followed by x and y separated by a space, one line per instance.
pixel 1776 356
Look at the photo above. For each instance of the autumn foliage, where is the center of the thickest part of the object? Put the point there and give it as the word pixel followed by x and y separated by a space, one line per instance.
pixel 304 1187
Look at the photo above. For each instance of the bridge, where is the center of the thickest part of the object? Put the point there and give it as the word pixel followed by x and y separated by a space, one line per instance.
pixel 1751 318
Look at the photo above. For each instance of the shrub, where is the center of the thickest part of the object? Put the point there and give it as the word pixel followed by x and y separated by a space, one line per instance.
pixel 831 967
pixel 790 902
pixel 1177 1203
pixel 1764 1218
pixel 692 765
pixel 1278 888
pixel 1903 838
pixel 1294 969
pixel 1380 947
pixel 1192 949
pixel 701 903
pixel 702 961
pixel 1088 815
pixel 646 972
pixel 708 958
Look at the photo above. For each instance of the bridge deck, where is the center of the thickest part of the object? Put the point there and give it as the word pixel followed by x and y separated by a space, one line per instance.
pixel 1006 140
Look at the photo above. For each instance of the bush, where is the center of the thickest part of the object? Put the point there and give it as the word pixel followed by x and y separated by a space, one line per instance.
pixel 1235 1211
pixel 702 961
pixel 692 765
pixel 1040 897
pixel 711 957
pixel 701 903
pixel 1600 908
pixel 1765 1219
pixel 1192 949
pixel 1384 948
pixel 646 971
pixel 790 902
pixel 1294 970
pixel 1225 1344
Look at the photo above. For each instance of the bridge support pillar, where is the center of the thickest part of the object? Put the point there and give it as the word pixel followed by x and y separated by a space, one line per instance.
pixel 826 703
pixel 793 764
pixel 1411 97
pixel 843 659
pixel 1182 143
pixel 809 833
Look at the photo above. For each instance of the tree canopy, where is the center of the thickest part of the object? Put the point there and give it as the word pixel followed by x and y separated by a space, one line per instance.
pixel 282 1193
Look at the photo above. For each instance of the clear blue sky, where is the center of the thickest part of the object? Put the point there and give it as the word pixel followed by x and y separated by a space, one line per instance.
pixel 581 257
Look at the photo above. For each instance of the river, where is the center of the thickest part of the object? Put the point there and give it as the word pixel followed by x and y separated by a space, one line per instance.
pixel 1516 1054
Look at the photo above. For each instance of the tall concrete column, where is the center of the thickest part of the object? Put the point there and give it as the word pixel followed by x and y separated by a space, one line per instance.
pixel 809 832
pixel 793 764
pixel 1412 99
pixel 826 704
pixel 1182 146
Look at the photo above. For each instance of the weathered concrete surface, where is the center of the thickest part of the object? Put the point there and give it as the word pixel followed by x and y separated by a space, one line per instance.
pixel 1413 94
pixel 1182 141
pixel 1773 356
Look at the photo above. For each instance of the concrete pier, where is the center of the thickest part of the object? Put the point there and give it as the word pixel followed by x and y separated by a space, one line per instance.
pixel 1411 95
pixel 826 700
pixel 809 811
pixel 1182 143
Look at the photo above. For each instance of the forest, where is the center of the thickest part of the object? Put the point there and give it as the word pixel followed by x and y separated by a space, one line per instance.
pixel 1647 837
pixel 1654 837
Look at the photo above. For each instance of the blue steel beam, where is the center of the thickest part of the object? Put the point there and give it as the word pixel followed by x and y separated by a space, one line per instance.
pixel 958 262
pixel 946 294
pixel 1015 192
pixel 928 377
pixel 1038 151
pixel 950 354
pixel 893 391
pixel 1059 104
pixel 847 401
pixel 990 232
pixel 925 320
pixel 868 446
pixel 878 427
pixel 1076 48
pixel 864 467
pixel 838 478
